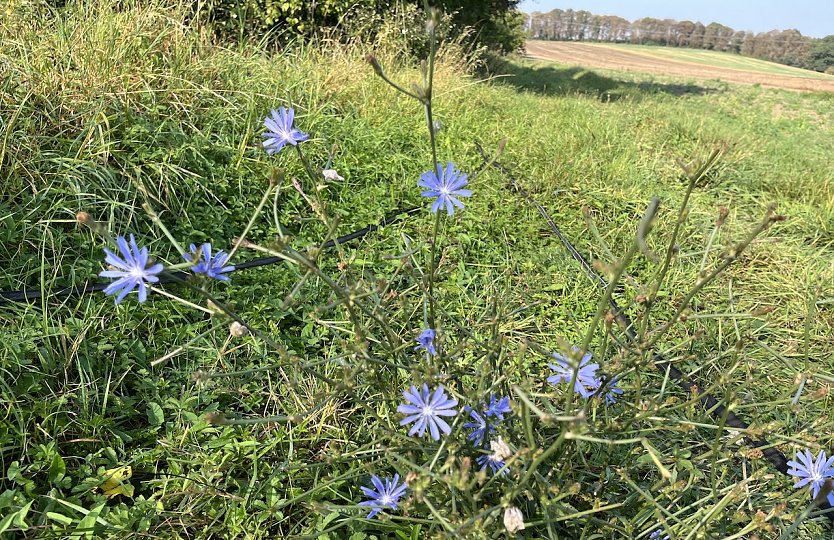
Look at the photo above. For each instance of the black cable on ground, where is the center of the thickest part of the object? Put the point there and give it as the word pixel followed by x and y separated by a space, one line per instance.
pixel 718 411
pixel 31 295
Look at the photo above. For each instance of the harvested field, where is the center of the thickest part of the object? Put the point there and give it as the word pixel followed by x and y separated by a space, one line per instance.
pixel 596 55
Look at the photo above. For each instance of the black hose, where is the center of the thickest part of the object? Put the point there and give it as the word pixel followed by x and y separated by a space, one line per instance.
pixel 31 295
pixel 712 405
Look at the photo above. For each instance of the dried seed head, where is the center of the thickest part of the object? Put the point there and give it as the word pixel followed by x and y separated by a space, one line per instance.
pixel 98 227
pixel 84 218
pixel 820 393
pixel 237 330
pixel 754 453
pixel 722 216
pixel 465 468
pixel 418 91
pixel 331 174
pixel 763 310
pixel 500 450
pixel 513 519
pixel 215 419
pixel 276 177
pixel 432 20
pixel 371 59
pixel 501 145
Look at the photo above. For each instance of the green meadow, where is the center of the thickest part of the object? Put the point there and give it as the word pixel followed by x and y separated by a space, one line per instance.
pixel 722 60
pixel 103 111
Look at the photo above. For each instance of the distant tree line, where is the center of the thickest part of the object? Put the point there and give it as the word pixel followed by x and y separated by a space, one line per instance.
pixel 784 46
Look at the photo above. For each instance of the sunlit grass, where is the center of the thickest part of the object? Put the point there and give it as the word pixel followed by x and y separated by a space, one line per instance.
pixel 101 109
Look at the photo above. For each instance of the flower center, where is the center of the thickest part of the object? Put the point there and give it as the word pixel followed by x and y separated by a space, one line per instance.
pixel 427 411
pixel 137 272
pixel 386 500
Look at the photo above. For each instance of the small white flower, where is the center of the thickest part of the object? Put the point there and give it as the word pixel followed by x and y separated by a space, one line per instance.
pixel 500 450
pixel 513 519
pixel 331 174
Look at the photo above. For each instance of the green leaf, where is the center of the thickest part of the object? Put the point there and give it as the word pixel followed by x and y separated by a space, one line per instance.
pixel 13 471
pixel 60 518
pixel 57 469
pixel 86 527
pixel 6 522
pixel 155 415
pixel 21 514
pixel 327 519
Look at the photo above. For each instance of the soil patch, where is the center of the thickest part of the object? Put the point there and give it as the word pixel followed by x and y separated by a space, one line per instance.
pixel 599 56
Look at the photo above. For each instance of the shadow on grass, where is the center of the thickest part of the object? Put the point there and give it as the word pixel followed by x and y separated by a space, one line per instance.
pixel 550 80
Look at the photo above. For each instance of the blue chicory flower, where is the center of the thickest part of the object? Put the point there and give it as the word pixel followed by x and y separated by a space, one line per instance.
pixel 489 460
pixel 131 270
pixel 425 410
pixel 480 428
pixel 212 266
pixel 498 407
pixel 426 341
pixel 612 390
pixel 586 378
pixel 656 535
pixel 811 472
pixel 280 131
pixel 387 494
pixel 446 185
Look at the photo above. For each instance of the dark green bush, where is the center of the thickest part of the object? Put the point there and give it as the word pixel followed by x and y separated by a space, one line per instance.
pixel 281 17
pixel 495 24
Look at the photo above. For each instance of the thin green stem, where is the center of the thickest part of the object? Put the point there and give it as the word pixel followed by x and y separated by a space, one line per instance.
pixel 602 307
pixel 538 461
pixel 428 79
pixel 395 86
pixel 308 168
pixel 432 268
pixel 729 259
pixel 240 239
pixel 694 178
pixel 158 222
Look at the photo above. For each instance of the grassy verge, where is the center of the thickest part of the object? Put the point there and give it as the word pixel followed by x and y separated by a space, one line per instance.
pixel 102 110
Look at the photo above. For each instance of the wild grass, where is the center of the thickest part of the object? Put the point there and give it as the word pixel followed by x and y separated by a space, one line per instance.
pixel 102 109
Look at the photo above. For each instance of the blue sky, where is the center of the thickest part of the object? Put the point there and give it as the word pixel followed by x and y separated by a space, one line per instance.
pixel 811 17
